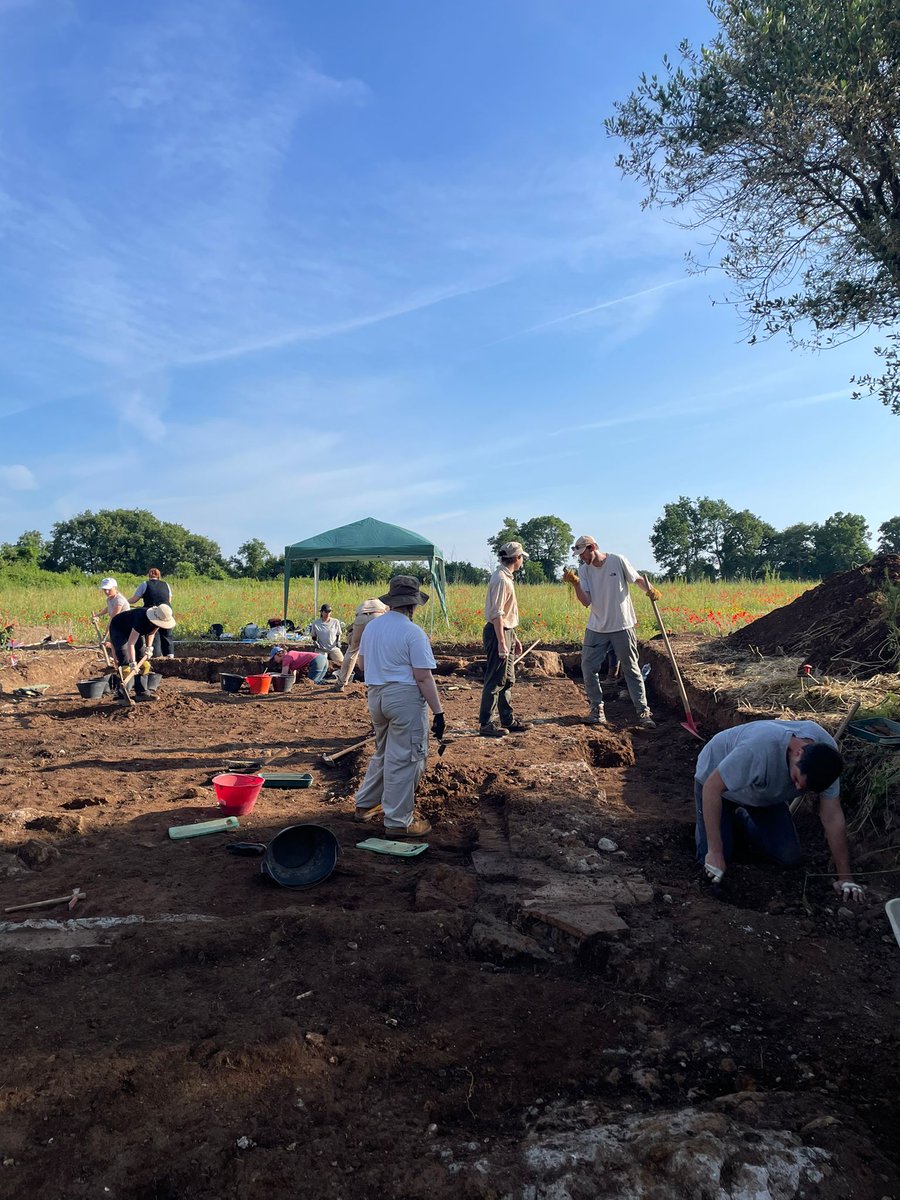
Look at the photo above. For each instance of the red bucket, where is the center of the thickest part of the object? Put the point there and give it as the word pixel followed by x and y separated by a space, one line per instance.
pixel 237 794
pixel 259 684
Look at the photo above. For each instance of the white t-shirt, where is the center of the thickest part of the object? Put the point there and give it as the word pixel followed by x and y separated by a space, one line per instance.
pixel 116 604
pixel 391 647
pixel 607 586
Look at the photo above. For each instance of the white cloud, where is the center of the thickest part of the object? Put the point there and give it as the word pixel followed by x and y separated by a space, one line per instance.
pixel 18 478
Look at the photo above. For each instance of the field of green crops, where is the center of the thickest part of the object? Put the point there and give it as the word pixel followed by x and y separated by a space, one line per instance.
pixel 548 611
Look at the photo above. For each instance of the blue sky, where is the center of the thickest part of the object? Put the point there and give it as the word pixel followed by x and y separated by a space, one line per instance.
pixel 269 266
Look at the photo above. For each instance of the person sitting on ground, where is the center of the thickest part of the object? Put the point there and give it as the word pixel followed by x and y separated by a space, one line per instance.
pixel 601 584
pixel 133 635
pixel 398 662
pixel 153 591
pixel 744 782
pixel 314 665
pixel 115 601
pixel 365 612
pixel 501 645
pixel 326 633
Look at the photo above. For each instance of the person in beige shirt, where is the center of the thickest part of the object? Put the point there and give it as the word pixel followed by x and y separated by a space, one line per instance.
pixel 501 644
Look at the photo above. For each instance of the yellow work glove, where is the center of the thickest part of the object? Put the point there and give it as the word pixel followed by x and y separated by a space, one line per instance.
pixel 570 575
pixel 654 593
pixel 127 670
pixel 145 667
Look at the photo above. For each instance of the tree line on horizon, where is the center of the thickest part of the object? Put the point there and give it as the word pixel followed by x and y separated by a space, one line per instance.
pixel 700 539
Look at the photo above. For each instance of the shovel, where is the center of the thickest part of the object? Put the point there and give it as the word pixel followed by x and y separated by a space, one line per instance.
pixel 328 759
pixel 688 723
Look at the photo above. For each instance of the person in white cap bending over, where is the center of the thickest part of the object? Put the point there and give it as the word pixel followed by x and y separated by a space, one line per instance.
pixel 601 584
pixel 115 601
pixel 501 644
pixel 397 659
pixel 365 612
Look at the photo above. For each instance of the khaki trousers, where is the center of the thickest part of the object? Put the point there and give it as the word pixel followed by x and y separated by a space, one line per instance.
pixel 345 675
pixel 399 719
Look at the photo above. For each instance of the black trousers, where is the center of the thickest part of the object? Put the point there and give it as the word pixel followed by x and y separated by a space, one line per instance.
pixel 119 640
pixel 499 677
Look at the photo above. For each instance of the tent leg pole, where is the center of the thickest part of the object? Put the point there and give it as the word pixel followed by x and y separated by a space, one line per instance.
pixel 315 588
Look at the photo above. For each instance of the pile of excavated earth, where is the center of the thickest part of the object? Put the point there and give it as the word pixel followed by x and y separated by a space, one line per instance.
pixel 547 1003
pixel 850 623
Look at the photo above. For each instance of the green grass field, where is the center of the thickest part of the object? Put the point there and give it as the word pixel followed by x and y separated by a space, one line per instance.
pixel 549 611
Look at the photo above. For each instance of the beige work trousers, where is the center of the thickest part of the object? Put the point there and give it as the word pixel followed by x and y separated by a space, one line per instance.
pixel 399 718
pixel 345 675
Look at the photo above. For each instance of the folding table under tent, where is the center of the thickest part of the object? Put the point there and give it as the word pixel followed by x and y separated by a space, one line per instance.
pixel 367 539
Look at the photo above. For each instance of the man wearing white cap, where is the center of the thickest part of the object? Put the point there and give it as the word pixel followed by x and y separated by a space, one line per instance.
pixel 501 644
pixel 365 612
pixel 601 584
pixel 115 601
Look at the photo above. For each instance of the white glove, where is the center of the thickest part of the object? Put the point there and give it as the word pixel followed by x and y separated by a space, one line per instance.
pixel 849 890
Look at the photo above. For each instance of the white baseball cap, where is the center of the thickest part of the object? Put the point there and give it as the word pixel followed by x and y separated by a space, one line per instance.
pixel 106 584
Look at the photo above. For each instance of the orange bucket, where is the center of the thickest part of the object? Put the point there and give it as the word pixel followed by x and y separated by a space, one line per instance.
pixel 259 684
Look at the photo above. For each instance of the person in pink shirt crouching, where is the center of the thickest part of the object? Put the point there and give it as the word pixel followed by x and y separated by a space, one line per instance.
pixel 313 665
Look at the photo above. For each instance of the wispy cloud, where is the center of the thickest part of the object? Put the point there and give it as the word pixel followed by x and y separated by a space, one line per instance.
pixel 615 302
pixel 18 478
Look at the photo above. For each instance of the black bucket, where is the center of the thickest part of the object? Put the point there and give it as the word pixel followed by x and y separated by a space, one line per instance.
pixel 93 689
pixel 284 683
pixel 301 856
pixel 231 683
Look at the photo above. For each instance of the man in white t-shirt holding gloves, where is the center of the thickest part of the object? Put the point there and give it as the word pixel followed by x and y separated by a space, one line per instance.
pixel 398 662
pixel 601 584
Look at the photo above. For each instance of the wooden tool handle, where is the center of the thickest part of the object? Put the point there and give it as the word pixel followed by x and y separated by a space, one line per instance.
pixel 330 758
pixel 77 894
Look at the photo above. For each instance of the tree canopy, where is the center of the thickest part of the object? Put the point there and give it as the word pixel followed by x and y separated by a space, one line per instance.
pixel 782 137
pixel 130 541
pixel 545 539
pixel 708 539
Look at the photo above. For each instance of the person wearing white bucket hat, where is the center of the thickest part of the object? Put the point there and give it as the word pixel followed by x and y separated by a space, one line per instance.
pixel 365 612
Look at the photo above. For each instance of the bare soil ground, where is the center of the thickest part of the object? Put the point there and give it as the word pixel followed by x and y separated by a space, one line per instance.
pixel 514 1013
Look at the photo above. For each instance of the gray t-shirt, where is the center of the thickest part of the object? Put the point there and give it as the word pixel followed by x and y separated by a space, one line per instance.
pixel 752 760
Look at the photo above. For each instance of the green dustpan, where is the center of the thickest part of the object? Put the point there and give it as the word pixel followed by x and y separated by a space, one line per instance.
pixel 398 849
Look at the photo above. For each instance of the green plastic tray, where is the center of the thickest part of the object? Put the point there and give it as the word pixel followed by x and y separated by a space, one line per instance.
pixel 286 779
pixel 880 730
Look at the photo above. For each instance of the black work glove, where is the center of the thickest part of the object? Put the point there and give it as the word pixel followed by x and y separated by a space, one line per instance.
pixel 438 725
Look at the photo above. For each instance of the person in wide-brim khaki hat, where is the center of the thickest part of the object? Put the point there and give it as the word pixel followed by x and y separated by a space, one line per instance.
pixel 162 615
pixel 404 592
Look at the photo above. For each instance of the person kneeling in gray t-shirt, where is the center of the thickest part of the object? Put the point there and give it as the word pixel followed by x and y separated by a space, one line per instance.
pixel 744 782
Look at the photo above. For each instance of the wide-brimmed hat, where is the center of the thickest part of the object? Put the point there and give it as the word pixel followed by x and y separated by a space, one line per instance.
pixel 161 615
pixel 370 608
pixel 512 550
pixel 107 584
pixel 583 542
pixel 404 591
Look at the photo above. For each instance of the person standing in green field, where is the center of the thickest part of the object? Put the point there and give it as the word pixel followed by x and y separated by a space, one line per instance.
pixel 601 584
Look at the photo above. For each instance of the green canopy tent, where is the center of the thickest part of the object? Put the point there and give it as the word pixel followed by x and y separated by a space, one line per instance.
pixel 367 539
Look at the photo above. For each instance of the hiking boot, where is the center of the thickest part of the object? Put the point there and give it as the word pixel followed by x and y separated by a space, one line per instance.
pixel 494 731
pixel 517 726
pixel 596 716
pixel 645 720
pixel 418 827
pixel 368 814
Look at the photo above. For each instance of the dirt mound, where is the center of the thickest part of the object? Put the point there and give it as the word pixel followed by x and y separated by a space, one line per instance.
pixel 841 626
